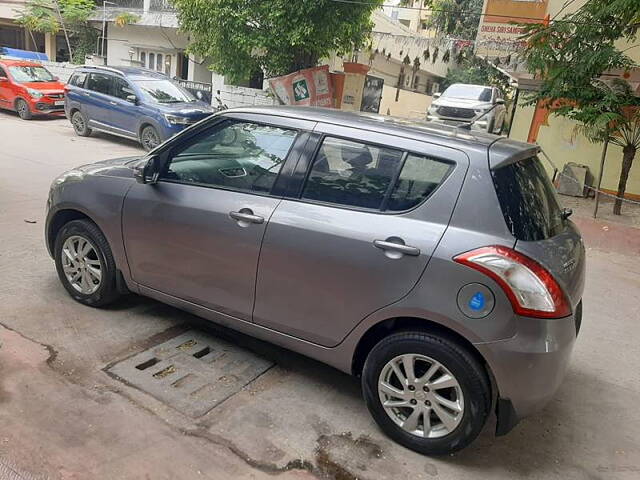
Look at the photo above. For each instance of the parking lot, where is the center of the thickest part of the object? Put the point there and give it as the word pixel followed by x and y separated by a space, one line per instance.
pixel 68 410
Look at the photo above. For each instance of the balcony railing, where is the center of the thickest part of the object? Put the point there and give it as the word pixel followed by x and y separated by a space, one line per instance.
pixel 137 5
pixel 161 6
pixel 122 4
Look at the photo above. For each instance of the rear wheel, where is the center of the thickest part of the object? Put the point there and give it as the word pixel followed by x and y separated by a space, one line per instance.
pixel 22 107
pixel 85 264
pixel 426 392
pixel 149 138
pixel 80 124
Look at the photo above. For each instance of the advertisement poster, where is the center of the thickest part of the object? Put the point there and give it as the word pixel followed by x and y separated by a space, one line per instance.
pixel 372 94
pixel 309 87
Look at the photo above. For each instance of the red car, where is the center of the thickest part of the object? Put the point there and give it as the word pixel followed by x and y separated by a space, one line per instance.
pixel 30 89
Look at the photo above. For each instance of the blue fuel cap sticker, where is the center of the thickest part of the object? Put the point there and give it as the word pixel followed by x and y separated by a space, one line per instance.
pixel 477 301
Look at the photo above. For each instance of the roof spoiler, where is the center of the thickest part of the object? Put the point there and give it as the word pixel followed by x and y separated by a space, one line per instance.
pixel 505 151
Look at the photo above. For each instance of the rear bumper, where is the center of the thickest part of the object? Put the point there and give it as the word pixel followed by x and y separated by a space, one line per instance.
pixel 529 368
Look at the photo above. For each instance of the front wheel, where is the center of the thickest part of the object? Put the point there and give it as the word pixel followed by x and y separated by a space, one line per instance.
pixel 85 263
pixel 426 392
pixel 22 107
pixel 149 138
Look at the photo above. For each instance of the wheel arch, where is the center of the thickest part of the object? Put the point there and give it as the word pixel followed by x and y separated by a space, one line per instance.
pixel 59 220
pixel 384 328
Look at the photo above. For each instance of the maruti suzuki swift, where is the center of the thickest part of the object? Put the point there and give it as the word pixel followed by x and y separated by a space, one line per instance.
pixel 433 262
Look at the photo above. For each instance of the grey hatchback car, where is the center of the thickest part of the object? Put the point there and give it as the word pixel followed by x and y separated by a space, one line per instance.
pixel 433 262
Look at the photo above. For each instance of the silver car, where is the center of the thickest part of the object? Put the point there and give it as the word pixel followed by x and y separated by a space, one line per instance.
pixel 432 262
pixel 462 103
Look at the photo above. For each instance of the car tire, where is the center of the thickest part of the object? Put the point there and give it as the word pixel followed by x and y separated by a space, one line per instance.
pixel 80 124
pixel 149 138
pixel 22 107
pixel 435 404
pixel 85 239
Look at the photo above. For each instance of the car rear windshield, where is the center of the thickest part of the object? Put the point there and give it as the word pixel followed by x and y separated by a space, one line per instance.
pixel 528 200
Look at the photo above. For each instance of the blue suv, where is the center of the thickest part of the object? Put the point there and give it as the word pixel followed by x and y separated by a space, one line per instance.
pixel 130 102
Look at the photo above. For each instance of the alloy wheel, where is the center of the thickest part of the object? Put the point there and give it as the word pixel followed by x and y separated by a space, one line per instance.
pixel 81 264
pixel 78 122
pixel 150 138
pixel 421 395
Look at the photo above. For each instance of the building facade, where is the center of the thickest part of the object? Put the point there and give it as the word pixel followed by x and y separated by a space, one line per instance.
pixel 498 36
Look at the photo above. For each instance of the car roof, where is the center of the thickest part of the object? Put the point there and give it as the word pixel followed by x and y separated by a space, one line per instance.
pixel 129 72
pixel 19 63
pixel 414 129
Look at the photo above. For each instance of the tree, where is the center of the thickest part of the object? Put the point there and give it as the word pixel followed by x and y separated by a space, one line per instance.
pixel 240 37
pixel 457 18
pixel 51 16
pixel 570 57
pixel 478 71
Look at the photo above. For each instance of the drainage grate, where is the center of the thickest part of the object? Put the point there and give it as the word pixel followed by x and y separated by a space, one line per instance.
pixel 192 372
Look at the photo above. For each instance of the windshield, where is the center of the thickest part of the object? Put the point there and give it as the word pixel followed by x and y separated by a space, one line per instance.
pixel 31 74
pixel 468 92
pixel 164 91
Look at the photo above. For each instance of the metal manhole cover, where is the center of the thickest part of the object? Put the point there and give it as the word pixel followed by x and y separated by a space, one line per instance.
pixel 192 372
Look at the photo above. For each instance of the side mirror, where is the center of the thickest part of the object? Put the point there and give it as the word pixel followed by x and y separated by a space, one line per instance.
pixel 132 99
pixel 437 95
pixel 500 101
pixel 147 171
pixel 56 79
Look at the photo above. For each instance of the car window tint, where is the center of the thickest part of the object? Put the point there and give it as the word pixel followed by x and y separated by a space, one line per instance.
pixel 99 82
pixel 241 156
pixel 77 80
pixel 121 88
pixel 351 173
pixel 419 178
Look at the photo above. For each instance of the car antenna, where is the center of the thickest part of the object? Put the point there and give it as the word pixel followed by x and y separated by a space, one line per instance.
pixel 467 126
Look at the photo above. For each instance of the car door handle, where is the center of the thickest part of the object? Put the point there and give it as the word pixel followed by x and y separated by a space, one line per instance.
pixel 112 103
pixel 396 247
pixel 86 94
pixel 246 215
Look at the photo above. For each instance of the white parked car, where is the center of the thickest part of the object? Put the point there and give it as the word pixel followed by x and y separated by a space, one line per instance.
pixel 462 103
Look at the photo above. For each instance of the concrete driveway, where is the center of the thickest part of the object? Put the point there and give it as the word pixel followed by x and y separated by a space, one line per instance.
pixel 62 416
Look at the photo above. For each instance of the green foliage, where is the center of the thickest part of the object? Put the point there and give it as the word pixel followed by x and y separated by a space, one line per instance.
pixel 126 18
pixel 456 18
pixel 478 71
pixel 239 37
pixel 69 16
pixel 571 55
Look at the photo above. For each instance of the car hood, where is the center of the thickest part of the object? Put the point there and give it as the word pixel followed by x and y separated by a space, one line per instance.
pixel 45 87
pixel 461 103
pixel 115 167
pixel 187 109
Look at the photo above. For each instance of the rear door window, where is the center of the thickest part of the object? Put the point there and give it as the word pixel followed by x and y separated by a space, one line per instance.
pixel 77 79
pixel 528 200
pixel 356 174
pixel 352 173
pixel 101 83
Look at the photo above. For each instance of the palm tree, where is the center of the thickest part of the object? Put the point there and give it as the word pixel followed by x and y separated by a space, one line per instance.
pixel 619 125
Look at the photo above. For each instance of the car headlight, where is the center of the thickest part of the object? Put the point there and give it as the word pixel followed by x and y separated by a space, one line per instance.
pixel 479 111
pixel 432 110
pixel 34 93
pixel 176 120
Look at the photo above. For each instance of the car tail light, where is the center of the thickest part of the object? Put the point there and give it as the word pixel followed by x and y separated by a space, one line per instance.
pixel 530 287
